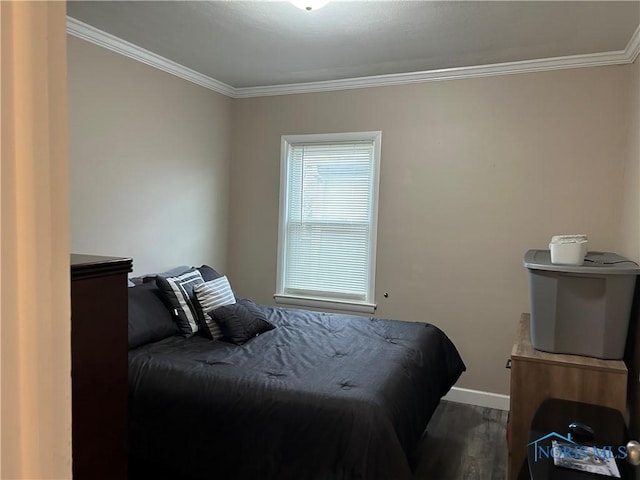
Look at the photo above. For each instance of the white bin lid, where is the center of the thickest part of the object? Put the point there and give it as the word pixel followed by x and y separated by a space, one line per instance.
pixel 601 263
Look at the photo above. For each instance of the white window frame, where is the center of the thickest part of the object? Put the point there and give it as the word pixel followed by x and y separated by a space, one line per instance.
pixel 368 305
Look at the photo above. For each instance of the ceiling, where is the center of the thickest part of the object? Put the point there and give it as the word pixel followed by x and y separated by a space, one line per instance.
pixel 267 43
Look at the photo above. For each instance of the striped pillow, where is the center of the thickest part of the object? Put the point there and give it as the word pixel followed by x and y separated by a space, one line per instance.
pixel 211 295
pixel 178 291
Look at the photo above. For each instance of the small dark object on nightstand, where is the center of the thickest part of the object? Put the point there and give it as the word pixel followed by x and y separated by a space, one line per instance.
pixel 581 432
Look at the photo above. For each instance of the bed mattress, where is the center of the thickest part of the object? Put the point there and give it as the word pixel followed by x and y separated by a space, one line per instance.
pixel 321 396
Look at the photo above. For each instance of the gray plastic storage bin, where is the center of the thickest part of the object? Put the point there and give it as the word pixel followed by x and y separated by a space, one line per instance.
pixel 581 309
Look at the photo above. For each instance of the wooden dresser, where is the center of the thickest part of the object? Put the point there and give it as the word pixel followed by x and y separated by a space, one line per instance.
pixel 537 375
pixel 99 328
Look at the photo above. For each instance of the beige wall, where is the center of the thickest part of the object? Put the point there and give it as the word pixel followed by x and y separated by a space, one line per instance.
pixel 631 191
pixel 473 173
pixel 631 230
pixel 148 163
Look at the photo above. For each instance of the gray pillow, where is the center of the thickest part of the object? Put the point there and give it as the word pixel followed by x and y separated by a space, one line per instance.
pixel 210 296
pixel 149 318
pixel 208 273
pixel 178 292
pixel 241 321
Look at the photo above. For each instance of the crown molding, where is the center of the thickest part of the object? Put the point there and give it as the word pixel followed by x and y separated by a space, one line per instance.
pixel 527 66
pixel 111 42
pixel 633 47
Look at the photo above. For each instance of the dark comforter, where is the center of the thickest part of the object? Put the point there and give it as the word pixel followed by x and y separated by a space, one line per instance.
pixel 321 396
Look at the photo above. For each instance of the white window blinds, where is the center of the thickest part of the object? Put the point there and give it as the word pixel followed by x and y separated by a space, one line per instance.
pixel 328 221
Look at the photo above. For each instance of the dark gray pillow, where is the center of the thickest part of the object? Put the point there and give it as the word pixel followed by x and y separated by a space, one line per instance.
pixel 149 318
pixel 208 273
pixel 241 321
pixel 178 292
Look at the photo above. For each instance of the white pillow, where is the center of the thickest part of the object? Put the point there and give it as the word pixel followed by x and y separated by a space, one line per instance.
pixel 211 295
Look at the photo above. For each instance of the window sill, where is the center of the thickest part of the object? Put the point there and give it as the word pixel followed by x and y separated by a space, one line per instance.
pixel 349 306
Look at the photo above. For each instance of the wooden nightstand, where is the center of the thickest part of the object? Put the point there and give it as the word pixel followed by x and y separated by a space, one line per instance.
pixel 536 376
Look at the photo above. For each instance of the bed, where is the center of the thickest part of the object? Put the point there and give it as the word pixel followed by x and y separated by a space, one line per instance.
pixel 319 396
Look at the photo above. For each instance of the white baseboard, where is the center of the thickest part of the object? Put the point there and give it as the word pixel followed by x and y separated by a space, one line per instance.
pixel 477 397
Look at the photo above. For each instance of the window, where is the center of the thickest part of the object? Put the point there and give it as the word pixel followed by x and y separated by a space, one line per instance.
pixel 328 220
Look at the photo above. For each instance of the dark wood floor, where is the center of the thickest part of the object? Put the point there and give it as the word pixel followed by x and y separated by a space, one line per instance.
pixel 463 442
